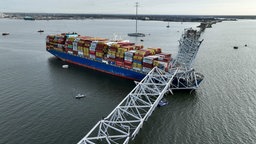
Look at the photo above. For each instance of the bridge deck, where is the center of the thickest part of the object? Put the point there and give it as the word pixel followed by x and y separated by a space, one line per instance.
pixel 125 121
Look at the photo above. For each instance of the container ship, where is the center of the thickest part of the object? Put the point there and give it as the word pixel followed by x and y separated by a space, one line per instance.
pixel 116 57
pixel 120 58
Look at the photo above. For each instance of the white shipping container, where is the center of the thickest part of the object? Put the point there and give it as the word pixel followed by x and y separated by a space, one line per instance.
pixel 80 53
pixel 136 68
pixel 60 45
pixel 162 65
pixel 111 43
pixel 92 48
pixel 75 46
pixel 70 52
pixel 128 59
pixel 111 56
pixel 92 56
pixel 130 53
pixel 149 59
pixel 93 45
pixel 146 70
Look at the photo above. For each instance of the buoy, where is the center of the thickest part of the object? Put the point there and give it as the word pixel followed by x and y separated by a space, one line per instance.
pixel 245 45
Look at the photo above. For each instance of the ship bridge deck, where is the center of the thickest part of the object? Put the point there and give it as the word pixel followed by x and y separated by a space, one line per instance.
pixel 125 121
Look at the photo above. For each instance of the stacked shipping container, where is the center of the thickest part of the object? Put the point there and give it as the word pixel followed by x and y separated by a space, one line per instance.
pixel 123 54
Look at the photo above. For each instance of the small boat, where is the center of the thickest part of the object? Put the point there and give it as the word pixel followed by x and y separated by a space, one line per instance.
pixel 80 96
pixel 168 25
pixel 235 47
pixel 64 66
pixel 40 31
pixel 163 102
pixel 136 34
pixel 5 33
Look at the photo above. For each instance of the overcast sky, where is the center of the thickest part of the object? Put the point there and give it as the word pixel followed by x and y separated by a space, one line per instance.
pixel 170 7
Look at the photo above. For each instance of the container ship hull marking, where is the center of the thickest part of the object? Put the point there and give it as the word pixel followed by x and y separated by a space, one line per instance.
pixel 99 66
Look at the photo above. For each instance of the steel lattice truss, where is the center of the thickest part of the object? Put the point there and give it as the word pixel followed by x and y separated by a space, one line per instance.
pixel 186 79
pixel 188 48
pixel 125 121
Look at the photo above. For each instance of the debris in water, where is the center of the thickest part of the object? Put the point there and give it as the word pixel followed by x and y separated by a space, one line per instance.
pixel 64 66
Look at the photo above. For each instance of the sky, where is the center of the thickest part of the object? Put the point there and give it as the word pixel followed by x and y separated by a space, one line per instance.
pixel 169 7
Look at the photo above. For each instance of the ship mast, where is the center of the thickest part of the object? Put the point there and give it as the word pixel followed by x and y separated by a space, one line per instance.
pixel 136 34
pixel 137 5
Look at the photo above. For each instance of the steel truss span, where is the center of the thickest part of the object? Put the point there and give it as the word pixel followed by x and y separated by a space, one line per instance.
pixel 186 77
pixel 188 49
pixel 125 121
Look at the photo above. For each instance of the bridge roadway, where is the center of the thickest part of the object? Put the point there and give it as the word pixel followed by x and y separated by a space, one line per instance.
pixel 125 121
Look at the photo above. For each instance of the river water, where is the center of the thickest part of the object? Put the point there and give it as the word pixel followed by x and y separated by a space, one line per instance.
pixel 37 103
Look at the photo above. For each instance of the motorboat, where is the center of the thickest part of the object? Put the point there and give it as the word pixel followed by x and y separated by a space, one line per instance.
pixel 163 102
pixel 80 96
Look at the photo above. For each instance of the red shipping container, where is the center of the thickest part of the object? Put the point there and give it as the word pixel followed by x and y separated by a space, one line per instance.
pixel 119 63
pixel 126 44
pixel 138 47
pixel 66 50
pixel 92 52
pixel 99 50
pixel 75 52
pixel 69 42
pixel 148 65
pixel 112 59
pixel 119 59
pixel 99 47
pixel 128 66
pixel 166 55
pixel 127 62
pixel 80 44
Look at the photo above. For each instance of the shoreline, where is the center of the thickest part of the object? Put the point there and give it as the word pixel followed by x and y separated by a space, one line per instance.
pixel 168 18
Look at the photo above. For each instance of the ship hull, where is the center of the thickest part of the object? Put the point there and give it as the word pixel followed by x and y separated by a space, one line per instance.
pixel 116 70
pixel 99 66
